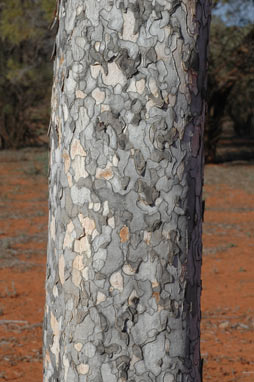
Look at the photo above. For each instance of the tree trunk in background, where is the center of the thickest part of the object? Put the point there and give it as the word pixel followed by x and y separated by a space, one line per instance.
pixel 124 251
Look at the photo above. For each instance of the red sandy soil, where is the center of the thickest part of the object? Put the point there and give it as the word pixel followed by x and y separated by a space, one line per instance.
pixel 227 330
pixel 227 335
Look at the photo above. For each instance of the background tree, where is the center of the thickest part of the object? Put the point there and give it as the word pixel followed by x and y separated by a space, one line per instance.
pixel 25 65
pixel 26 72
pixel 124 252
pixel 231 75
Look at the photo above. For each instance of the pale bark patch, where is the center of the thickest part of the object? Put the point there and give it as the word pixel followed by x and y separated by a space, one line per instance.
pixel 78 166
pixel 115 76
pixel 55 291
pixel 61 265
pixel 95 70
pixel 80 9
pixel 65 112
pixel 128 270
pixel 98 95
pixel 153 87
pixel 85 273
pixel 55 326
pixel 80 94
pixel 78 263
pixel 95 233
pixel 128 27
pixel 97 46
pixel 76 277
pixel 132 86
pixel 149 105
pixel 69 179
pixel 67 161
pixel 77 149
pixel 155 283
pixel 47 359
pixel 78 346
pixel 105 108
pixel 171 99
pixel 96 207
pixel 111 222
pixel 115 161
pixel 105 173
pixel 140 86
pixel 53 228
pixel 83 246
pixel 83 368
pixel 134 359
pixel 87 223
pixel 147 237
pixel 105 208
pixel 116 281
pixel 100 298
pixel 68 239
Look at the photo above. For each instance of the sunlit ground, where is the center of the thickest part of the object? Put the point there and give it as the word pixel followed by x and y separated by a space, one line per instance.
pixel 228 269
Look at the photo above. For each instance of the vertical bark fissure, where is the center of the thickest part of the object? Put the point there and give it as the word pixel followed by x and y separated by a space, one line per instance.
pixel 124 250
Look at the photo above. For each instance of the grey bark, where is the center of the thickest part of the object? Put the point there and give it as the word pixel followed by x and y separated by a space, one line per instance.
pixel 124 251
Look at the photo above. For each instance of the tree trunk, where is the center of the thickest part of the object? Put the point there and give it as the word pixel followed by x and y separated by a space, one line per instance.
pixel 124 251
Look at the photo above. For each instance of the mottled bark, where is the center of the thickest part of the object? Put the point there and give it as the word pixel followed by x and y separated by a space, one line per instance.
pixel 124 251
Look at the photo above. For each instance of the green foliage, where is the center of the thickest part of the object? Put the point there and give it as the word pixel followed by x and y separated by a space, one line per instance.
pixel 16 21
pixel 48 7
pixel 26 71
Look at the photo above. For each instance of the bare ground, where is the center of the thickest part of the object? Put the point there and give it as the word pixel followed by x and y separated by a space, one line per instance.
pixel 227 336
